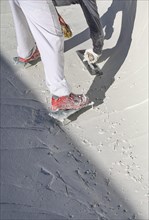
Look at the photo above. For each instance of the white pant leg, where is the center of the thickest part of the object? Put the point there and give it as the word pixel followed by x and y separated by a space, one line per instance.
pixel 24 36
pixel 44 25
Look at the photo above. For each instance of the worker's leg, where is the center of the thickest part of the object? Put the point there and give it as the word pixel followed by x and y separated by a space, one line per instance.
pixel 43 21
pixel 25 40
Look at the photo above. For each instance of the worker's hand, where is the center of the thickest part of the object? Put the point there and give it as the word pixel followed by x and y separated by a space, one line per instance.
pixel 90 56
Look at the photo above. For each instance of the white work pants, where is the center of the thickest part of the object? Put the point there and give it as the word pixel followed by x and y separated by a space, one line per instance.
pixel 37 21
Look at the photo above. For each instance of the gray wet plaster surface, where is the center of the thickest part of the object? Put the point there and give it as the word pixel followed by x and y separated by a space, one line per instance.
pixel 93 168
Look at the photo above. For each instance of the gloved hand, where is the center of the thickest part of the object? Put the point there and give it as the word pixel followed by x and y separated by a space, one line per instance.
pixel 90 56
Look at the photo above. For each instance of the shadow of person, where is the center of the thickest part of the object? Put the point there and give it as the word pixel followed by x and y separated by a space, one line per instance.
pixel 77 40
pixel 107 21
pixel 109 17
pixel 116 55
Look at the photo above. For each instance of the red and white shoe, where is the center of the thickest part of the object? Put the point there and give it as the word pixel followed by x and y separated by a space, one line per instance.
pixel 34 57
pixel 71 102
